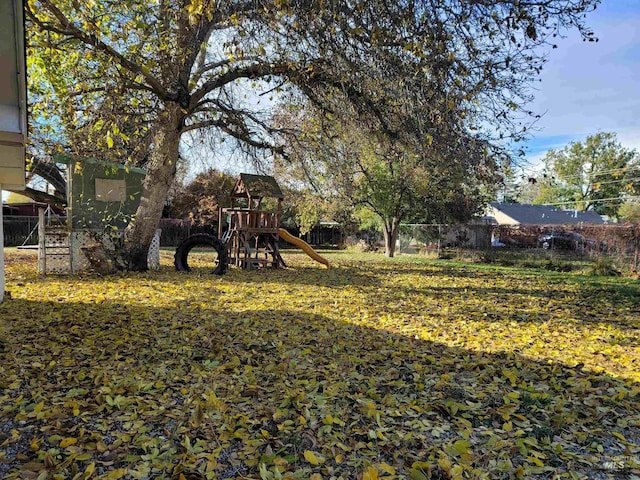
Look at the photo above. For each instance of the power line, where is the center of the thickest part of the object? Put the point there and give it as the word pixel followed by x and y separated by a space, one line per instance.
pixel 595 174
pixel 620 180
pixel 601 172
pixel 594 200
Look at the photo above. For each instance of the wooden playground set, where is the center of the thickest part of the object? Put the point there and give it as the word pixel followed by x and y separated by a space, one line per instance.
pixel 252 235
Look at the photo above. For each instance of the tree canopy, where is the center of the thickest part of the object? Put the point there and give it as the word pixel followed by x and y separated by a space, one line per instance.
pixel 127 80
pixel 597 174
pixel 395 178
pixel 201 198
pixel 630 211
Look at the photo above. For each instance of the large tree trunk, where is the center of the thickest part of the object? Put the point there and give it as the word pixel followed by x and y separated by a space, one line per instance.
pixel 391 236
pixel 161 171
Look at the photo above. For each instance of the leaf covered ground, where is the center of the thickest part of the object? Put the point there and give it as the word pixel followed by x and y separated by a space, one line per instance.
pixel 374 369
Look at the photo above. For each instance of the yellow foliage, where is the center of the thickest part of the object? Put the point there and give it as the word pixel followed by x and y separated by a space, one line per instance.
pixel 379 368
pixel 312 458
pixel 66 442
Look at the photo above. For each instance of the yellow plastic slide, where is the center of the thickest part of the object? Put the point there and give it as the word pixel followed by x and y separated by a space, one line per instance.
pixel 306 248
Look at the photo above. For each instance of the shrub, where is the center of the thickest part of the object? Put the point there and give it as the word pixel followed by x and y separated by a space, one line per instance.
pixel 603 267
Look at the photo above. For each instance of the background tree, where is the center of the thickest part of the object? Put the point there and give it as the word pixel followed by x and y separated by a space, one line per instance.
pixel 528 189
pixel 304 208
pixel 396 178
pixel 597 174
pixel 133 77
pixel 517 187
pixel 201 198
pixel 630 211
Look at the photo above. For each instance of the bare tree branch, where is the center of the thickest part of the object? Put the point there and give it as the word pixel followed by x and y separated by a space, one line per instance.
pixel 252 71
pixel 42 197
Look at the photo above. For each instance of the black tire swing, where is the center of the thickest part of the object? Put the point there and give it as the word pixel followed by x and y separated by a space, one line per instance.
pixel 202 239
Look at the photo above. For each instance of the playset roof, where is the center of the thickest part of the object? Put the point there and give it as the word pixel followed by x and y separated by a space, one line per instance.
pixel 256 186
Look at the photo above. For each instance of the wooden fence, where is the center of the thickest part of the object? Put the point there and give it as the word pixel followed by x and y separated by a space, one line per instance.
pixel 17 230
pixel 174 231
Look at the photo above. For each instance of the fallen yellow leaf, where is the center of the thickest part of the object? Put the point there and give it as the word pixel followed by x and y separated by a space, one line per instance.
pixel 66 442
pixel 312 458
pixel 370 474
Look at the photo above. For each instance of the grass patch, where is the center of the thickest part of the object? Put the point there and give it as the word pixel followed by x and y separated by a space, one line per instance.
pixel 554 261
pixel 397 368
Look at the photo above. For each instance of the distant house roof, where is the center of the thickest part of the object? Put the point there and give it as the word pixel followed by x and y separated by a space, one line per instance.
pixel 257 186
pixel 21 205
pixel 521 214
pixel 23 209
pixel 18 198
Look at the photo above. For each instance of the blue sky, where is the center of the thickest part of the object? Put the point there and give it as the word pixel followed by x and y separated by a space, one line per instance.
pixel 589 87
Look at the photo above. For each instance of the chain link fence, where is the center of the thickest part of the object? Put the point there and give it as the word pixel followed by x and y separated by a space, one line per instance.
pixel 616 244
pixel 424 238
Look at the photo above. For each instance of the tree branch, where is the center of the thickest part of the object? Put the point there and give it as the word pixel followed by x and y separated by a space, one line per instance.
pixel 42 197
pixel 92 40
pixel 221 63
pixel 252 71
pixel 245 137
pixel 50 173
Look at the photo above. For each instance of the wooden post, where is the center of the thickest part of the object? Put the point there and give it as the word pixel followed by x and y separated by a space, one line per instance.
pixel 42 252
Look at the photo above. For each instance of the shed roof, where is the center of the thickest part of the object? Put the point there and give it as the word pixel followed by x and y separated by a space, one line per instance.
pixel 70 160
pixel 545 215
pixel 257 186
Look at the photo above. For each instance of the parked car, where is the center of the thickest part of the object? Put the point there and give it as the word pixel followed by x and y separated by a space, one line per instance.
pixel 567 241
